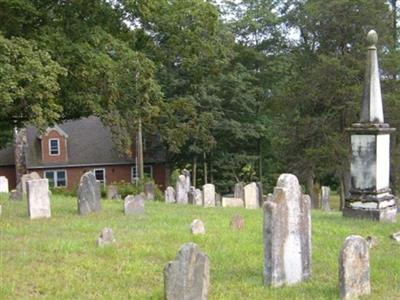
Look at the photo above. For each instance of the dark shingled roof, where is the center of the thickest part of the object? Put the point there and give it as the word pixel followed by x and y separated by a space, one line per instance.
pixel 89 143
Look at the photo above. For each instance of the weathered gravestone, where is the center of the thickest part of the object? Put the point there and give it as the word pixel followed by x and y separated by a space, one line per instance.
pixel 134 205
pixel 197 227
pixel 88 194
pixel 239 190
pixel 237 222
pixel 106 237
pixel 15 195
pixel 149 190
pixel 188 277
pixel 209 195
pixel 38 198
pixel 232 202
pixel 112 192
pixel 354 268
pixel 186 173
pixel 169 194
pixel 251 196
pixel 198 197
pixel 3 184
pixel 25 178
pixel 287 234
pixel 325 195
pixel 181 191
pixel 218 200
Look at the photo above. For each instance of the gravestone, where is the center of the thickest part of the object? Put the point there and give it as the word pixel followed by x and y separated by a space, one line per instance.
pixel 239 190
pixel 209 195
pixel 134 205
pixel 232 202
pixel 3 184
pixel 251 196
pixel 325 195
pixel 186 173
pixel 149 190
pixel 106 237
pixel 237 222
pixel 260 193
pixel 287 234
pixel 88 194
pixel 112 192
pixel 181 191
pixel 191 195
pixel 169 194
pixel 198 197
pixel 15 195
pixel 218 200
pixel 197 227
pixel 188 276
pixel 25 178
pixel 354 268
pixel 38 198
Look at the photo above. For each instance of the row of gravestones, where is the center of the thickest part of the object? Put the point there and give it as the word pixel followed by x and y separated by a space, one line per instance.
pixel 287 251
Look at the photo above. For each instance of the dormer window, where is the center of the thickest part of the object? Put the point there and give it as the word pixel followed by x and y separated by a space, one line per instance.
pixel 54 147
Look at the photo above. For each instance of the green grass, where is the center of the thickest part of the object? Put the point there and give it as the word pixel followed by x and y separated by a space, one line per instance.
pixel 57 258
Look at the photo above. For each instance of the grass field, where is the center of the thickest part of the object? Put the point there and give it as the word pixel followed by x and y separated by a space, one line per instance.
pixel 57 258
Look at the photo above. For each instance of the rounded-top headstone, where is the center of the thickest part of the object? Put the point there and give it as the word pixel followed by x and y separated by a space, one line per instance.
pixel 372 38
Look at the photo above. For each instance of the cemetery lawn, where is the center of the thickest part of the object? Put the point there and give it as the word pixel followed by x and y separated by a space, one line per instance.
pixel 57 258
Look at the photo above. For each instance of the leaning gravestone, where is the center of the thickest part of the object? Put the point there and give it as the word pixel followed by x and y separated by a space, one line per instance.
pixel 239 190
pixel 25 178
pixel 88 194
pixel 112 192
pixel 325 194
pixel 181 192
pixel 209 195
pixel 188 276
pixel 251 196
pixel 354 268
pixel 149 190
pixel 3 184
pixel 134 205
pixel 169 194
pixel 287 234
pixel 106 237
pixel 38 198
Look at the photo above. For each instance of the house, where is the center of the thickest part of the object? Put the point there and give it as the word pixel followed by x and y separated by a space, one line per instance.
pixel 64 152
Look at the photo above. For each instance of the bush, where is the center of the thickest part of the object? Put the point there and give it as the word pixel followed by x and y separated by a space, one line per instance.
pixel 126 188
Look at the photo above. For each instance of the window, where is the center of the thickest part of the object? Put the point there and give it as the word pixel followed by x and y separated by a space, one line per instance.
pixel 148 172
pixel 100 175
pixel 57 178
pixel 54 147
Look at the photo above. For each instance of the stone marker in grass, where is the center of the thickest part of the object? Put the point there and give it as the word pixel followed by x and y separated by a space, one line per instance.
pixel 188 276
pixel 209 195
pixel 325 195
pixel 88 194
pixel 3 184
pixel 232 202
pixel 169 194
pixel 287 234
pixel 197 227
pixel 106 237
pixel 134 205
pixel 251 196
pixel 181 192
pixel 354 268
pixel 38 198
pixel 237 222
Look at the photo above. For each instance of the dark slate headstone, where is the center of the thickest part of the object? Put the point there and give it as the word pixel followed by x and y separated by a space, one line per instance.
pixel 88 194
pixel 134 205
pixel 188 277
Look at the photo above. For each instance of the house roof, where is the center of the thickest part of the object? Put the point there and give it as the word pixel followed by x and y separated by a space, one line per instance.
pixel 89 142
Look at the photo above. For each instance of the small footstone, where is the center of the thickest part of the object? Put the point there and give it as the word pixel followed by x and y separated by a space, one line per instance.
pixel 354 268
pixel 134 205
pixel 396 236
pixel 188 276
pixel 197 227
pixel 106 237
pixel 237 222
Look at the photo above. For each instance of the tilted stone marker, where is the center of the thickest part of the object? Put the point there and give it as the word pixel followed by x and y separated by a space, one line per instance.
pixel 38 198
pixel 239 190
pixel 106 237
pixel 112 192
pixel 181 191
pixel 354 268
pixel 197 227
pixel 325 195
pixel 251 196
pixel 287 234
pixel 237 222
pixel 88 194
pixel 370 194
pixel 169 194
pixel 209 195
pixel 188 276
pixel 25 178
pixel 3 184
pixel 232 202
pixel 149 190
pixel 134 205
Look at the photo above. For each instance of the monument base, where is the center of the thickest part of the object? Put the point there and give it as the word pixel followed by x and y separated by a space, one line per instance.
pixel 377 211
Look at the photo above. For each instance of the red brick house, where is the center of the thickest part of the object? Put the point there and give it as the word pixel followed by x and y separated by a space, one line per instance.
pixel 66 151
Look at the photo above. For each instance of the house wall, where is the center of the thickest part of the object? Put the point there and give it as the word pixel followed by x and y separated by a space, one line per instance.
pixel 9 172
pixel 46 157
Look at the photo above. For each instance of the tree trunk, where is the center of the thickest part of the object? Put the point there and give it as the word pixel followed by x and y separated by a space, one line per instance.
pixel 345 186
pixel 260 159
pixel 139 152
pixel 194 171
pixel 205 167
pixel 211 169
pixel 311 191
pixel 20 143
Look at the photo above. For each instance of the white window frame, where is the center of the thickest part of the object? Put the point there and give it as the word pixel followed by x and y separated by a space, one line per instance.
pixel 134 171
pixel 56 177
pixel 58 147
pixel 104 174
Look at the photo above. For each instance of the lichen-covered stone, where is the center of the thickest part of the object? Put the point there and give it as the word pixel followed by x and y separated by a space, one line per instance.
pixel 354 268
pixel 188 276
pixel 88 194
